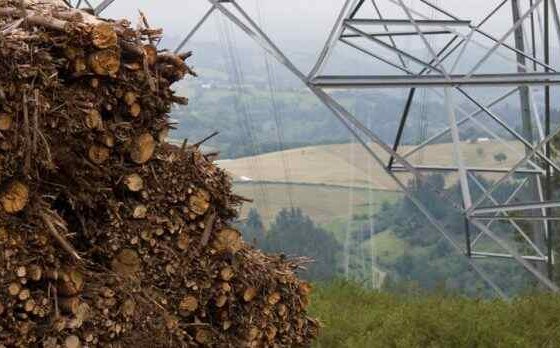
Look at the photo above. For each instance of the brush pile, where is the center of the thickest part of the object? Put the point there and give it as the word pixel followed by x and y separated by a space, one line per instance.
pixel 108 236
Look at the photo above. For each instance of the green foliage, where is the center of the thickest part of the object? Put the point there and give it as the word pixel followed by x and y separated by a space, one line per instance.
pixel 429 259
pixel 480 151
pixel 253 229
pixel 500 157
pixel 295 234
pixel 354 317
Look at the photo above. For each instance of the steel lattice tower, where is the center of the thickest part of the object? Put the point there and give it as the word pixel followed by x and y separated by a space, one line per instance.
pixel 364 27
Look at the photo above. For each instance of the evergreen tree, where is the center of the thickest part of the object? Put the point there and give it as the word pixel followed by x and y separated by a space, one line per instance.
pixel 295 234
pixel 253 229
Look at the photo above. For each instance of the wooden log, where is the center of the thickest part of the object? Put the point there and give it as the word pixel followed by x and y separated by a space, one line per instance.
pixel 21 272
pixel 274 298
pixel 203 336
pixel 80 66
pixel 14 289
pixel 35 273
pixel 134 182
pixel 3 235
pixel 271 332
pixel 105 62
pixel 98 154
pixel 199 203
pixel 227 274
pixel 70 305
pixel 183 241
pixel 249 294
pixel 130 98
pixel 128 308
pixel 72 341
pixel 107 139
pixel 221 301
pixel 14 197
pixel 104 36
pixel 143 149
pixel 282 310
pixel 24 295
pixel 128 257
pixel 29 305
pixel 94 120
pixel 188 304
pixel 126 263
pixel 71 282
pixel 135 110
pixel 227 240
pixel 5 122
pixel 139 212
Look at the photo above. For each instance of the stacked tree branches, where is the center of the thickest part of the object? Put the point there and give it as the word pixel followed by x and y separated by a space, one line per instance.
pixel 109 236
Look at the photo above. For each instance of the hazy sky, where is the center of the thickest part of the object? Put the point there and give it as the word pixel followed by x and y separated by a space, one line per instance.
pixel 301 20
pixel 302 26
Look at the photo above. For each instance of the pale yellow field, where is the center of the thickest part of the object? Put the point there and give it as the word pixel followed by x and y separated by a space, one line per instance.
pixel 350 165
pixel 323 204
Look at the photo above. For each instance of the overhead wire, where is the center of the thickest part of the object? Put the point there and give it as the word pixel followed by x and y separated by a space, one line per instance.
pixel 272 82
pixel 237 77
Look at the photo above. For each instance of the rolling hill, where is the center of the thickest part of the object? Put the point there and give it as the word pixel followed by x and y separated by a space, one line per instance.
pixel 349 165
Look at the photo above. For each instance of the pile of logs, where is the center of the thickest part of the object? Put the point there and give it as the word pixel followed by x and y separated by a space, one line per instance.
pixel 109 236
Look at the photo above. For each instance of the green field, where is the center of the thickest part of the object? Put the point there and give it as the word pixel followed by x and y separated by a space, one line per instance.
pixel 354 317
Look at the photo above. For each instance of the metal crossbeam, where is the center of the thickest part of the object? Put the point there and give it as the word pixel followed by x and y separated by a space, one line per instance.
pixel 399 33
pixel 451 169
pixel 398 81
pixel 515 207
pixel 425 22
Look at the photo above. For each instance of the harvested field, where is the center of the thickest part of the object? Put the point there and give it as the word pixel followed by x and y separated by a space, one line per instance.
pixel 350 165
pixel 324 204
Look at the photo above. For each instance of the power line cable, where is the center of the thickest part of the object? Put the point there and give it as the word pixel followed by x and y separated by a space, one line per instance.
pixel 237 79
pixel 277 113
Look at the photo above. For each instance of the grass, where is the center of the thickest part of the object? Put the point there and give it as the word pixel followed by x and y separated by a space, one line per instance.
pixel 387 246
pixel 324 204
pixel 355 317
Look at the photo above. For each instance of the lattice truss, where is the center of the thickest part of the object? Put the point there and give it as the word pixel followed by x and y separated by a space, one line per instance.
pixel 96 6
pixel 474 66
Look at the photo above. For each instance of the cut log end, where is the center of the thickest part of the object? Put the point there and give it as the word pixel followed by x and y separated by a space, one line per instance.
pixel 134 182
pixel 135 110
pixel 99 154
pixel 227 274
pixel 71 282
pixel 143 149
pixel 104 36
pixel 228 240
pixel 69 305
pixel 5 122
pixel 199 203
pixel 140 212
pixel 94 120
pixel 249 294
pixel 15 197
pixel 72 342
pixel 188 304
pixel 105 63
pixel 203 336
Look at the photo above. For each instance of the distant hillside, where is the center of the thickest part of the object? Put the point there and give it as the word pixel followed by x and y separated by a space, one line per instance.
pixel 349 165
